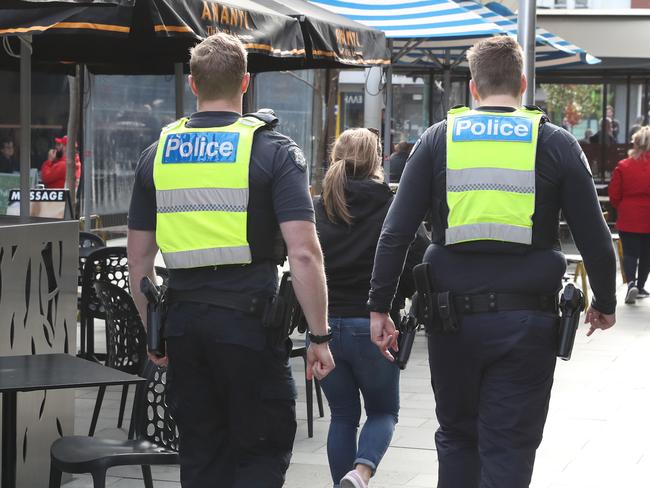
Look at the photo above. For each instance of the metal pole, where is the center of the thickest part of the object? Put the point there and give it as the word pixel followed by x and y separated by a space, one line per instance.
pixel 526 37
pixel 603 136
pixel 628 87
pixel 89 159
pixel 388 113
pixel 446 87
pixel 179 89
pixel 25 121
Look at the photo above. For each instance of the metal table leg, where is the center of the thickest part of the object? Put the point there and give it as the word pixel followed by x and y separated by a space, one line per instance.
pixel 9 420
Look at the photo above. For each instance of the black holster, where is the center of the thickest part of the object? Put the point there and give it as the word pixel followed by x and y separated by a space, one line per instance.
pixel 572 302
pixel 436 311
pixel 285 314
pixel 407 328
pixel 156 315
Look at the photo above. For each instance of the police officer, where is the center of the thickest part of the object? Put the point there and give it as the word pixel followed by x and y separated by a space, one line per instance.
pixel 215 194
pixel 495 180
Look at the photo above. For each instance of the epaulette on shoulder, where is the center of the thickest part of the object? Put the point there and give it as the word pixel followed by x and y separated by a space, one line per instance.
pixel 174 125
pixel 267 116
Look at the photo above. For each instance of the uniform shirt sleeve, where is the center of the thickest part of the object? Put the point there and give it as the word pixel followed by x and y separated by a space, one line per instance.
pixel 142 210
pixel 579 202
pixel 402 222
pixel 290 185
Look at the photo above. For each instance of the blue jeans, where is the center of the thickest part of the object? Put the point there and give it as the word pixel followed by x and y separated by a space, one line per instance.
pixel 359 367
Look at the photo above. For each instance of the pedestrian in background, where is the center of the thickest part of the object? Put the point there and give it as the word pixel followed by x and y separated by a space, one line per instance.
pixel 8 162
pixel 398 160
pixel 53 169
pixel 629 194
pixel 349 216
pixel 495 180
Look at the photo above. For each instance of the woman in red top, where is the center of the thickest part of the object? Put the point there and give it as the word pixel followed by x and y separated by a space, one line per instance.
pixel 629 193
pixel 53 169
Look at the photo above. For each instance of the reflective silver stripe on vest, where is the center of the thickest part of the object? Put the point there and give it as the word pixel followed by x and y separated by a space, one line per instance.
pixel 202 200
pixel 208 257
pixel 499 232
pixel 472 179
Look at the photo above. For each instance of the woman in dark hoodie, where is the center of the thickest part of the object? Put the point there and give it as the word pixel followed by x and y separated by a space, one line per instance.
pixel 349 216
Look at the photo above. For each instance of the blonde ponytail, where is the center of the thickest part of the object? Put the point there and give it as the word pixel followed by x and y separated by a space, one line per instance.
pixel 354 154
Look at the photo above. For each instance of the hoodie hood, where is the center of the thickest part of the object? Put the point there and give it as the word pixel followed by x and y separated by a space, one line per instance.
pixel 365 197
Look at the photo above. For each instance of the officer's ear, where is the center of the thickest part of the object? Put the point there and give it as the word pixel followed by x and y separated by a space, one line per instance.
pixel 192 83
pixel 474 91
pixel 524 84
pixel 245 83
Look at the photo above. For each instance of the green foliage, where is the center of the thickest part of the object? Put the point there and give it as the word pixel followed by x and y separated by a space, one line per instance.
pixel 579 101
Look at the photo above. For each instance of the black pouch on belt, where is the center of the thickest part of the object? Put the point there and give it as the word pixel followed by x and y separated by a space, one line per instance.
pixel 446 312
pixel 434 310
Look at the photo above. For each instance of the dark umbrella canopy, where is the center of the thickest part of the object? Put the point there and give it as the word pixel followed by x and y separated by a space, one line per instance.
pixel 334 38
pixel 273 40
pixel 149 36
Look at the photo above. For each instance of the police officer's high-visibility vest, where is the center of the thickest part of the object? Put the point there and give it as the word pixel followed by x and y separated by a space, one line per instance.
pixel 201 181
pixel 491 175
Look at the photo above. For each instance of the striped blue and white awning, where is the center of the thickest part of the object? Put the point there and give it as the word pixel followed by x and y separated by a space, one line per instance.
pixel 551 50
pixel 440 20
pixel 437 33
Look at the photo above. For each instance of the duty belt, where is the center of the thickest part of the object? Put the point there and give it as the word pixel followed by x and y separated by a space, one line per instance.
pixel 504 302
pixel 250 305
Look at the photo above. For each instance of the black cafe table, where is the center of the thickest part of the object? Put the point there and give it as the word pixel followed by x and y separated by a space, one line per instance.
pixel 44 372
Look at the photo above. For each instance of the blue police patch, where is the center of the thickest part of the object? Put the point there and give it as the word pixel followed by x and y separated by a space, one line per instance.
pixel 201 147
pixel 492 128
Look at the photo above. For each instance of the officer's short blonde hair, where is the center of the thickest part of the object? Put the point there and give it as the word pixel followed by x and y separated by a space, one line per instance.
pixel 218 65
pixel 496 65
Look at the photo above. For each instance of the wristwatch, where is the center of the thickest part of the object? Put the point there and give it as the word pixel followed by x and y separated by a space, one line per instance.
pixel 320 339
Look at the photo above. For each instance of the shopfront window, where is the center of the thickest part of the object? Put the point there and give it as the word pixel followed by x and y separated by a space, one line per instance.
pixel 351 109
pixel 127 113
pixel 410 107
pixel 291 96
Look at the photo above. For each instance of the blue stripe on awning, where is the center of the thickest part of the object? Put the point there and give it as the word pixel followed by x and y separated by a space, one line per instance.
pixel 398 19
pixel 381 6
pixel 453 11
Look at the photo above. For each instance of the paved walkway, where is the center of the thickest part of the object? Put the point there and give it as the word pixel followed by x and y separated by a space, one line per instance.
pixel 597 433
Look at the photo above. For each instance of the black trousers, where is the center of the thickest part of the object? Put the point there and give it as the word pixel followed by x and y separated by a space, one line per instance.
pixel 492 382
pixel 636 250
pixel 234 406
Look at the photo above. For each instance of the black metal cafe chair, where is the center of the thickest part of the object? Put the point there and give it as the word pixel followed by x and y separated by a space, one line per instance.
pixel 126 342
pixel 88 242
pixel 156 439
pixel 104 264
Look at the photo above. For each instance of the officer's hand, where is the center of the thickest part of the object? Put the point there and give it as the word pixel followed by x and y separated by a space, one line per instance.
pixel 157 360
pixel 319 361
pixel 383 333
pixel 598 320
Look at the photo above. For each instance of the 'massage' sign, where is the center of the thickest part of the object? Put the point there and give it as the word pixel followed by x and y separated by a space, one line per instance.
pixel 39 196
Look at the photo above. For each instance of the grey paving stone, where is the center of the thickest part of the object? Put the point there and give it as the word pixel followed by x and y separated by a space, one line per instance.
pixel 596 434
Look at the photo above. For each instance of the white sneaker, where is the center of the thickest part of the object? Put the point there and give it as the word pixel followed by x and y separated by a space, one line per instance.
pixel 353 480
pixel 632 293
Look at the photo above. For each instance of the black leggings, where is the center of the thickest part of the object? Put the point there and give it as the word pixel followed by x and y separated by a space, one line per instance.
pixel 636 249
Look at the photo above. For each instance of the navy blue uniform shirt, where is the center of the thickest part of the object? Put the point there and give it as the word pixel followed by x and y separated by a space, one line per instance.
pixel 276 166
pixel 563 183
